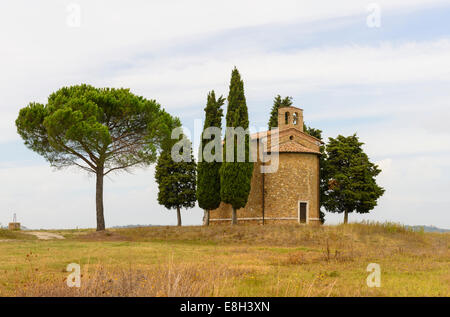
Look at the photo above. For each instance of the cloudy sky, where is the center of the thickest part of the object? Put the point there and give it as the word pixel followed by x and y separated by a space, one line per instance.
pixel 381 69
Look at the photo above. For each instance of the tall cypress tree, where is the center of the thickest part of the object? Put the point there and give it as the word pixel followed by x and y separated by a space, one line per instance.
pixel 235 177
pixel 176 181
pixel 208 177
pixel 278 103
pixel 235 97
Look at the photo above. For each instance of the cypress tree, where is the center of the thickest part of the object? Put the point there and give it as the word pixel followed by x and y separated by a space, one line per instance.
pixel 235 177
pixel 208 177
pixel 176 181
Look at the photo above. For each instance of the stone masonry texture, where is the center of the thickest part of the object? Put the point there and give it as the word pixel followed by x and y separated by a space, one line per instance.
pixel 276 196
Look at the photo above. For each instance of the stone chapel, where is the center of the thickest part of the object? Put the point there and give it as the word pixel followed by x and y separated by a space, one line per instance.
pixel 291 193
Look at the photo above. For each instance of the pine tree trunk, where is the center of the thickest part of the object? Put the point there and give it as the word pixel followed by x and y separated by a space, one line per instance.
pixel 206 218
pixel 178 217
pixel 234 217
pixel 99 201
pixel 345 216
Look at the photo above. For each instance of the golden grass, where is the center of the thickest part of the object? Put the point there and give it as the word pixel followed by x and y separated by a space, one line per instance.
pixel 157 281
pixel 273 260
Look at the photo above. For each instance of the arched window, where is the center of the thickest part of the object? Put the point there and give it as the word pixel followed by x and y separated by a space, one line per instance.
pixel 286 117
pixel 295 118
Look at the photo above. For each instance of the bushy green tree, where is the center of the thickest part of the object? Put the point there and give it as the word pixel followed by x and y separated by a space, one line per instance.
pixel 312 131
pixel 176 180
pixel 235 177
pixel 351 183
pixel 208 177
pixel 99 130
pixel 278 103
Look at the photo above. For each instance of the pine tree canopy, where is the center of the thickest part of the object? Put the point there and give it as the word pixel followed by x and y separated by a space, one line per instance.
pixel 100 130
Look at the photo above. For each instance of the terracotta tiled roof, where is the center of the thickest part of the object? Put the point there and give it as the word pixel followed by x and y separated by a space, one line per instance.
pixel 262 134
pixel 293 147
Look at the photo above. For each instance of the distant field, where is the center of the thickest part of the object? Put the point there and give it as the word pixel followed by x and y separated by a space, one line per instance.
pixel 270 260
pixel 6 235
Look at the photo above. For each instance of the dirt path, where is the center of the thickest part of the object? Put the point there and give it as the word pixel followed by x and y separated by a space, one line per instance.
pixel 45 235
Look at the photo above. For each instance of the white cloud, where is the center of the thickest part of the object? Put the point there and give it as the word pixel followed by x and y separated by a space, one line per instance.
pixel 303 70
pixel 126 45
pixel 416 192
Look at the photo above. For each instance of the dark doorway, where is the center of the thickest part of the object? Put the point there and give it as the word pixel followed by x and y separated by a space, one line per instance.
pixel 302 212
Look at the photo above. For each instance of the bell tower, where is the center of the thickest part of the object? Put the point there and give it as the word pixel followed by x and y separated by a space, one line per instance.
pixel 290 117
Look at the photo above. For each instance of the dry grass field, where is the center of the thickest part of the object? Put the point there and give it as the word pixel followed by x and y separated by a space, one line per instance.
pixel 269 260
